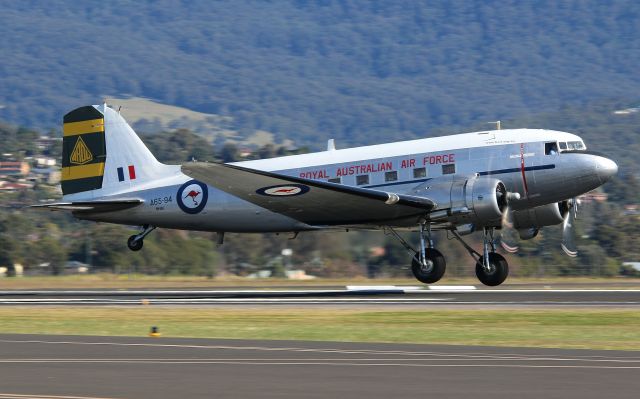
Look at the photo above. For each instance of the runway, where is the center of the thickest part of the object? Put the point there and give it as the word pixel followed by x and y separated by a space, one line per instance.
pixel 39 366
pixel 433 296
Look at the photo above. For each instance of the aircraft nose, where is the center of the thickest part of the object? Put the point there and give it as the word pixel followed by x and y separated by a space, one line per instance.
pixel 606 168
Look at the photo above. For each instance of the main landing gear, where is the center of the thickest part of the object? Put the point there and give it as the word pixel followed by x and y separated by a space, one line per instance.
pixel 428 264
pixel 491 267
pixel 136 241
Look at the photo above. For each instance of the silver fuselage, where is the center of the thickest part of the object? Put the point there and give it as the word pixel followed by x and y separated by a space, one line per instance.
pixel 524 168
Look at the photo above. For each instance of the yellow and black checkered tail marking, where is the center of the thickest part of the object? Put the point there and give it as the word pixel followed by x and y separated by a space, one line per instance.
pixel 83 150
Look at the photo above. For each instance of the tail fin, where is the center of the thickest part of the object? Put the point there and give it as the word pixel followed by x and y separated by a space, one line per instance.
pixel 83 150
pixel 102 155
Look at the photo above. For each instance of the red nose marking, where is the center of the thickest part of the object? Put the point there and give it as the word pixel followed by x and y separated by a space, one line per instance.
pixel 193 194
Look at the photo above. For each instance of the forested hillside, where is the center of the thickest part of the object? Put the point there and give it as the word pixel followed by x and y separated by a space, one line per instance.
pixel 361 71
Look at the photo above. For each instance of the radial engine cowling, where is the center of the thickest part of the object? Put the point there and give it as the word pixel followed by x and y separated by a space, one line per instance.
pixel 540 216
pixel 477 200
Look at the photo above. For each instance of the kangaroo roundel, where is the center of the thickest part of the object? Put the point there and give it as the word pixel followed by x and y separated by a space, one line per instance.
pixel 192 196
pixel 283 190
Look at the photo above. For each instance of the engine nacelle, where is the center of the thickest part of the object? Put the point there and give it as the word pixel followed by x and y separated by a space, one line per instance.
pixel 462 200
pixel 529 233
pixel 540 216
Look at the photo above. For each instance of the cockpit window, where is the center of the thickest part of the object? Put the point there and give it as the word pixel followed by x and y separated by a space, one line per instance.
pixel 551 148
pixel 575 145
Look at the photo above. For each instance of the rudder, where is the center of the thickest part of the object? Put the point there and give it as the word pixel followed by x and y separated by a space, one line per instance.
pixel 83 150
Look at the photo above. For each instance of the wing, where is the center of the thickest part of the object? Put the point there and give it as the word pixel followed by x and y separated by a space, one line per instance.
pixel 90 206
pixel 309 201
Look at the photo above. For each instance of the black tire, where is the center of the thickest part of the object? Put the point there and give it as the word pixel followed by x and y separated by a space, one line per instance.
pixel 432 274
pixel 133 244
pixel 499 270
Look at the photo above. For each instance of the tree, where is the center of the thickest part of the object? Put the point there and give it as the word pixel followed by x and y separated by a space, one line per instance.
pixel 229 153
pixel 9 251
pixel 49 250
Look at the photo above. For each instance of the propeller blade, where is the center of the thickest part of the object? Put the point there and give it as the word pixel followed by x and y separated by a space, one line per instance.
pixel 568 233
pixel 507 247
pixel 508 234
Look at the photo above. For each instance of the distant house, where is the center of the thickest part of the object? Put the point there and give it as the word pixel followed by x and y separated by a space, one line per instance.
pixel 14 168
pixel 45 142
pixel 45 175
pixel 633 265
pixel 594 196
pixel 12 186
pixel 245 152
pixel 631 210
pixel 45 161
pixel 627 111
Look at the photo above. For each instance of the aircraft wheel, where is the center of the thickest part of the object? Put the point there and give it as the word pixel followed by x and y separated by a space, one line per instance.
pixel 135 244
pixel 433 270
pixel 497 273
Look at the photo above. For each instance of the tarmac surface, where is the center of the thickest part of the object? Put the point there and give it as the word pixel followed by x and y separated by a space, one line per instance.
pixel 391 296
pixel 41 366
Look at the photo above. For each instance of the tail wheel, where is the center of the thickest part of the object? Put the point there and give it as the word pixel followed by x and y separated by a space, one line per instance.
pixel 434 268
pixel 134 243
pixel 497 272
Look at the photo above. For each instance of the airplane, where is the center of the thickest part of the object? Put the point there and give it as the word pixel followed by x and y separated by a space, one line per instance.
pixel 488 181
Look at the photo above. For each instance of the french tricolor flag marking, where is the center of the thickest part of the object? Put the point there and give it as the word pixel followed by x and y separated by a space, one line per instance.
pixel 132 173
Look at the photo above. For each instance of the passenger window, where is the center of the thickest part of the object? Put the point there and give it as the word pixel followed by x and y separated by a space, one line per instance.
pixel 362 180
pixel 563 145
pixel 335 180
pixel 551 148
pixel 449 169
pixel 391 176
pixel 419 172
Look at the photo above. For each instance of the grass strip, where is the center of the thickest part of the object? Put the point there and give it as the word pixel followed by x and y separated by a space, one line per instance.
pixel 554 328
pixel 117 281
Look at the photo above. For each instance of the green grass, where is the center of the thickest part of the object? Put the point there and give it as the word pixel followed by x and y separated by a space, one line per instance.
pixel 107 280
pixel 576 328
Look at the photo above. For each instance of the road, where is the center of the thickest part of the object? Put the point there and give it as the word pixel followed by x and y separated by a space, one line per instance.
pixel 452 296
pixel 106 367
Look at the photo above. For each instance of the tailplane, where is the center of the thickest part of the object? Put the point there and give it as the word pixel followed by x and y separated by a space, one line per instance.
pixel 102 155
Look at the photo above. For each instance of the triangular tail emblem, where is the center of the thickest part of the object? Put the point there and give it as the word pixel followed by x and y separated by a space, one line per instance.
pixel 81 153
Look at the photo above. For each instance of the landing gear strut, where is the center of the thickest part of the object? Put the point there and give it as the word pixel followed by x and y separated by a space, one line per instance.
pixel 428 264
pixel 491 268
pixel 136 241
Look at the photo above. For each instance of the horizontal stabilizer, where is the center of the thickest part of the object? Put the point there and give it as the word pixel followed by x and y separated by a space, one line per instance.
pixel 309 201
pixel 90 206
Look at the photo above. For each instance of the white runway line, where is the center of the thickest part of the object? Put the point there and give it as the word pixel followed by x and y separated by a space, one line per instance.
pixel 423 289
pixel 456 288
pixel 468 355
pixel 377 288
pixel 304 301
pixel 23 396
pixel 125 292
pixel 381 359
pixel 214 300
pixel 329 362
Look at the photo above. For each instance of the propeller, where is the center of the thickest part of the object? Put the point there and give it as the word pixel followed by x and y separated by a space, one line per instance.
pixel 568 232
pixel 508 234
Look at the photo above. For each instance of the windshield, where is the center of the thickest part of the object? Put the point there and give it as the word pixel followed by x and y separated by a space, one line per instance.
pixel 575 145
pixel 572 146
